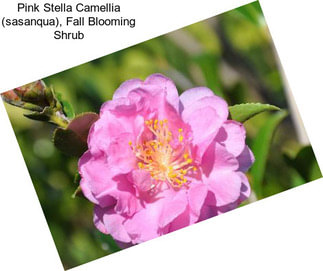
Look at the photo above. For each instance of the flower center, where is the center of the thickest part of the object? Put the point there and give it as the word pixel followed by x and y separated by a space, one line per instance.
pixel 166 162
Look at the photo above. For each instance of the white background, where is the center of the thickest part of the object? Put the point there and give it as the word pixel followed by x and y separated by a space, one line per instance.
pixel 283 232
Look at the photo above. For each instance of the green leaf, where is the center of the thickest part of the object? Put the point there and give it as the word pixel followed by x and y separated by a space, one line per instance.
pixel 243 112
pixel 67 107
pixel 73 140
pixel 305 164
pixel 261 148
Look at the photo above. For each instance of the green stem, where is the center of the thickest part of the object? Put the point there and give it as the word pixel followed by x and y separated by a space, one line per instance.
pixel 59 121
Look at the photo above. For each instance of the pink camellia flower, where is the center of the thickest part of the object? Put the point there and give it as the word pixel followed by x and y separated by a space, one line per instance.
pixel 158 162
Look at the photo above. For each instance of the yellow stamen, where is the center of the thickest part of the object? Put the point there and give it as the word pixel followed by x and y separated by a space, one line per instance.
pixel 158 157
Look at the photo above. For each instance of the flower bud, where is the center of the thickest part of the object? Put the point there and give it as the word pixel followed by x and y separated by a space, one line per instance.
pixel 31 96
pixel 11 97
pixel 33 93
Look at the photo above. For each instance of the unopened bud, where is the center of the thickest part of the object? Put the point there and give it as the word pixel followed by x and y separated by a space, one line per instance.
pixel 11 97
pixel 40 99
pixel 33 93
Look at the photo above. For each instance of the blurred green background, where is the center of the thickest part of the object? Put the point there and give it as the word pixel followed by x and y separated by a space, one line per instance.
pixel 233 55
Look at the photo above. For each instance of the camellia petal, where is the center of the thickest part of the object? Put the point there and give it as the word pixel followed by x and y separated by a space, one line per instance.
pixel 95 175
pixel 144 224
pixel 123 161
pixel 246 159
pixel 233 136
pixel 192 95
pixel 225 185
pixel 245 187
pixel 196 197
pixel 159 83
pixel 126 87
pixel 154 83
pixel 215 102
pixel 183 220
pixel 99 212
pixel 114 225
pixel 172 207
